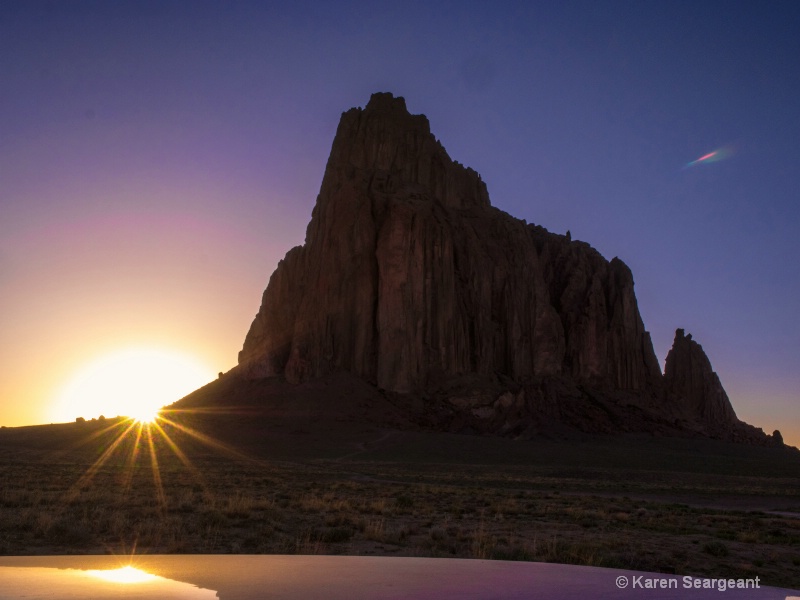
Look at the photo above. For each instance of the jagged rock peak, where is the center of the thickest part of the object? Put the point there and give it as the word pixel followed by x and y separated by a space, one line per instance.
pixel 387 102
pixel 694 386
pixel 396 151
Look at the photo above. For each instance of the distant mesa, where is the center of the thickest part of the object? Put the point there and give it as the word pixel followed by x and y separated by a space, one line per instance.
pixel 470 319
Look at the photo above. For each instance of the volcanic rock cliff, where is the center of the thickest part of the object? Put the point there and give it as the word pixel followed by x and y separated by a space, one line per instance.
pixel 412 281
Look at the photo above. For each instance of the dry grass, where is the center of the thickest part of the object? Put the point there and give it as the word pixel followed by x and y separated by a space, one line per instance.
pixel 694 522
pixel 315 509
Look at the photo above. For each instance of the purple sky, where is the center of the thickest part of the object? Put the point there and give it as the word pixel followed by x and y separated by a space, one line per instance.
pixel 158 158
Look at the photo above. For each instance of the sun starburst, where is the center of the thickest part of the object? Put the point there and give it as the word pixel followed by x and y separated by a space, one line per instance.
pixel 149 437
pixel 146 416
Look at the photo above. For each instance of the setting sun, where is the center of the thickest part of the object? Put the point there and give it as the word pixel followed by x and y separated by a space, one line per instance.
pixel 145 415
pixel 132 382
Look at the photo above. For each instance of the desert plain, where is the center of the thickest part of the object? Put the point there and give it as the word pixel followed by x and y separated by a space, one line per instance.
pixel 288 477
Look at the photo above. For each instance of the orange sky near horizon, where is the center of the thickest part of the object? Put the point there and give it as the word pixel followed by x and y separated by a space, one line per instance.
pixel 161 280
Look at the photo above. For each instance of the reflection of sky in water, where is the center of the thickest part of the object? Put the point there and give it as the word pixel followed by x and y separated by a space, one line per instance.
pixel 244 577
pixel 127 583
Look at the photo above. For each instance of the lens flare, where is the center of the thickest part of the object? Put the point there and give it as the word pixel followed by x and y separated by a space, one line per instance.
pixel 712 157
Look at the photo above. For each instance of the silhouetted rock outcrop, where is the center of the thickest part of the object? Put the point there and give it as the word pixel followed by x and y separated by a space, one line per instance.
pixel 410 279
pixel 694 387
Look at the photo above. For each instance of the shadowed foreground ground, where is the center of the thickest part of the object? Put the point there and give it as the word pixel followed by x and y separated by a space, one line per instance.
pixel 334 487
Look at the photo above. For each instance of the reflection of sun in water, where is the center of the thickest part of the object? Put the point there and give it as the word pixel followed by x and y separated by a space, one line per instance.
pixel 127 574
pixel 134 382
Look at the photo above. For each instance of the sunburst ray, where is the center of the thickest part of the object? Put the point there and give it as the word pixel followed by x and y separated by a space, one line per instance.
pixel 162 499
pixel 87 477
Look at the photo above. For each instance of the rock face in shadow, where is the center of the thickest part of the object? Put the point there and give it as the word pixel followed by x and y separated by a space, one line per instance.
pixel 412 281
pixel 693 385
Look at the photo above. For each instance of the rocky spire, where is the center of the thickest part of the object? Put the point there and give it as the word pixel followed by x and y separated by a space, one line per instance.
pixel 395 150
pixel 693 387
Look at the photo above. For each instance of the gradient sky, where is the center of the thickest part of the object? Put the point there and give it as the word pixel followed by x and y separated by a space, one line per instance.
pixel 158 158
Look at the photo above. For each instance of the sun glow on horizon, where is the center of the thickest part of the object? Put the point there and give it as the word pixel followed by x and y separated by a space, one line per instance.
pixel 133 382
pixel 145 416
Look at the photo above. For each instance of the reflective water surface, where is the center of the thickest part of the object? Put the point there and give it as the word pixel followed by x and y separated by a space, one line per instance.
pixel 123 582
pixel 195 577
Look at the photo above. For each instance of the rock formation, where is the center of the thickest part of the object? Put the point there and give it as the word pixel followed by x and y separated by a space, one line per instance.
pixel 412 281
pixel 693 386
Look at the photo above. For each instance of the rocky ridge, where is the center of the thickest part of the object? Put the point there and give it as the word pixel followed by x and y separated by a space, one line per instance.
pixel 472 319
